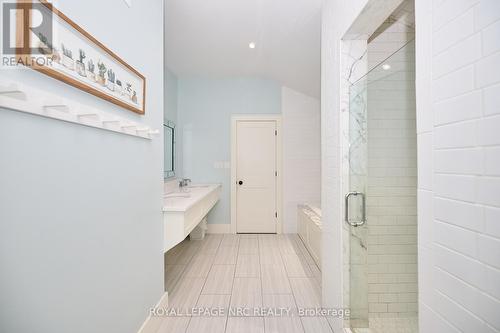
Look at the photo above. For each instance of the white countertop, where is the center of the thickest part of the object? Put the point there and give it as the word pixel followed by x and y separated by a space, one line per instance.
pixel 178 201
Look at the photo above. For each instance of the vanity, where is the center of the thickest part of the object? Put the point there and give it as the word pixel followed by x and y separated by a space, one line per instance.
pixel 186 208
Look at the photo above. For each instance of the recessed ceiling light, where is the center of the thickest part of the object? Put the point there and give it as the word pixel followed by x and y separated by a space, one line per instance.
pixel 386 67
pixel 251 45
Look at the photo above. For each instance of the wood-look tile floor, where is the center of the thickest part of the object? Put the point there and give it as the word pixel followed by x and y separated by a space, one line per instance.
pixel 242 271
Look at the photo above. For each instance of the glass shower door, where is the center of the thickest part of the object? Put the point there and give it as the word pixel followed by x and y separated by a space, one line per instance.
pixel 380 203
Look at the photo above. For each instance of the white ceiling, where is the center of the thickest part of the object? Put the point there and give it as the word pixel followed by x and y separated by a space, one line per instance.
pixel 210 38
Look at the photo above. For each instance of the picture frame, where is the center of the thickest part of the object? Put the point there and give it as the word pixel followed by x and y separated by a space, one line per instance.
pixel 75 57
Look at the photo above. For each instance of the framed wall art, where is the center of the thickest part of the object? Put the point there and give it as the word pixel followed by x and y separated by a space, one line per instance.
pixel 65 51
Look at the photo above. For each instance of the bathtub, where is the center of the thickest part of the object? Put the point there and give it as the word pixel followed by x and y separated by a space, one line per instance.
pixel 309 228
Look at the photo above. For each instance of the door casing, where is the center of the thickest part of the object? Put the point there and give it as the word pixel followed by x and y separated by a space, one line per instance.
pixel 279 166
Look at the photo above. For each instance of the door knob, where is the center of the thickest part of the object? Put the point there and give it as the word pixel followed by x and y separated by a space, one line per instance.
pixel 240 182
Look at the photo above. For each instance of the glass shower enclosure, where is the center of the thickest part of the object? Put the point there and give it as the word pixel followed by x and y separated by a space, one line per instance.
pixel 380 205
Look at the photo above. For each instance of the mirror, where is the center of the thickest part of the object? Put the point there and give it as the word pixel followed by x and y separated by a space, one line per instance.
pixel 169 146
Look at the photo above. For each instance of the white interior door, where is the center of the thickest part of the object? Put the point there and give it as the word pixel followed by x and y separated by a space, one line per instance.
pixel 256 177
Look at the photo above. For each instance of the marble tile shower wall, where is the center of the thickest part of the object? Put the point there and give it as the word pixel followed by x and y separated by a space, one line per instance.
pixel 354 153
pixel 392 176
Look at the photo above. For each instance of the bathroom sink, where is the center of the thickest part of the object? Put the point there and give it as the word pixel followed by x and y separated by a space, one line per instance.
pixel 182 211
pixel 171 196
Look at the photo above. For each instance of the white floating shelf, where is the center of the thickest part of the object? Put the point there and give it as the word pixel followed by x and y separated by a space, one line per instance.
pixel 20 97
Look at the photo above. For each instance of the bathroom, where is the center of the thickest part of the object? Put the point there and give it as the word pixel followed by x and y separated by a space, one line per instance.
pixel 250 166
pixel 249 145
pixel 380 117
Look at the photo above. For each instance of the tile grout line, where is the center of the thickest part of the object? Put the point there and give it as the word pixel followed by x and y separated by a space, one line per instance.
pixel 315 281
pixel 204 282
pixel 181 277
pixel 260 247
pixel 320 285
pixel 175 263
pixel 187 263
pixel 190 260
pixel 232 285
pixel 293 294
pixel 313 263
pixel 261 285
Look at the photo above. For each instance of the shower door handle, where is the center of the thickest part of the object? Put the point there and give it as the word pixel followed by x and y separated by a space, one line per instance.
pixel 363 209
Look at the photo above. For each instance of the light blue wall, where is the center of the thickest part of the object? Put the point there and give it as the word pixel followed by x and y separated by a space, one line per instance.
pixel 205 107
pixel 170 96
pixel 80 208
pixel 171 114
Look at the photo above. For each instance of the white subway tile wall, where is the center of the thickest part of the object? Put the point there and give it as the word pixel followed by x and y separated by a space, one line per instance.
pixel 459 192
pixel 301 154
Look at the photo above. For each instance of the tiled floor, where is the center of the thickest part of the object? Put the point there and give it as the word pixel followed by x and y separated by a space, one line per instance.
pixel 242 271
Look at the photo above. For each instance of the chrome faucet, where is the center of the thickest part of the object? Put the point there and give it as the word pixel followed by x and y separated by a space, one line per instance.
pixel 184 182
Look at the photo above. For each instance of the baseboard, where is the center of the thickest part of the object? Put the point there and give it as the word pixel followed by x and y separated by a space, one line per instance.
pixel 218 228
pixel 149 326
